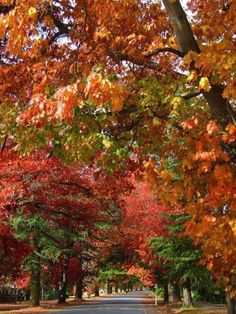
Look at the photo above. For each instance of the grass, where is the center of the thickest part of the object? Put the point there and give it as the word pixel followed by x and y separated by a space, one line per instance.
pixel 200 308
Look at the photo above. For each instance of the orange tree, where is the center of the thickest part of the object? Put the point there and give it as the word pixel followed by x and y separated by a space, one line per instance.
pixel 149 83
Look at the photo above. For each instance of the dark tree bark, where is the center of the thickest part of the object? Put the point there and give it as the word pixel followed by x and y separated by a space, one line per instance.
pixel 177 294
pixel 230 304
pixel 116 288
pixel 62 286
pixel 174 292
pixel 35 283
pixel 187 295
pixel 108 287
pixel 96 292
pixel 79 288
pixel 79 282
pixel 219 107
pixel 166 293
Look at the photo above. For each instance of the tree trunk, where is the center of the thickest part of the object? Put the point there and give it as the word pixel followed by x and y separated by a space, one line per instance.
pixel 96 292
pixel 177 295
pixel 62 286
pixel 79 282
pixel 79 288
pixel 230 304
pixel 35 283
pixel 187 296
pixel 108 287
pixel 166 293
pixel 174 292
pixel 219 107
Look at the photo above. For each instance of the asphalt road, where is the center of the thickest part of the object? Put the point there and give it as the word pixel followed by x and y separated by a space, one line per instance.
pixel 130 303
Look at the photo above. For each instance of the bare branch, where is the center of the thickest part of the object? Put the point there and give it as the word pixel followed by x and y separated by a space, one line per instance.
pixel 118 55
pixel 191 95
pixel 80 186
pixel 3 144
pixel 165 49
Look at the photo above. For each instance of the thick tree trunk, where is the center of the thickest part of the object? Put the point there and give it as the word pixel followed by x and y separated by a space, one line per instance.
pixel 35 283
pixel 62 286
pixel 174 292
pixel 230 304
pixel 166 293
pixel 79 282
pixel 96 292
pixel 79 288
pixel 177 294
pixel 187 296
pixel 182 28
pixel 220 109
pixel 108 287
pixel 116 288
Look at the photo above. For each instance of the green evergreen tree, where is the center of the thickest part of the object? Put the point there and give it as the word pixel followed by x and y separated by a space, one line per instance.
pixel 179 255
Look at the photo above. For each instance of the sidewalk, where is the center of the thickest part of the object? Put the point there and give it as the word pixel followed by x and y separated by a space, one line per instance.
pixel 45 306
pixel 199 308
pixel 176 307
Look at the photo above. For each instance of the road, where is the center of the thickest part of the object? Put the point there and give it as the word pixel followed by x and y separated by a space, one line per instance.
pixel 130 303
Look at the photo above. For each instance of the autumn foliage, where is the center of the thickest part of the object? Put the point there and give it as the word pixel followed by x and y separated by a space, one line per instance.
pixel 134 85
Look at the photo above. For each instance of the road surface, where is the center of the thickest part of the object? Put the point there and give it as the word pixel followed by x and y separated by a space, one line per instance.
pixel 130 303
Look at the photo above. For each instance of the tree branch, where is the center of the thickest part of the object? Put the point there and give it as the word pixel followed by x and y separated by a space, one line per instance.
pixel 118 55
pixel 63 29
pixel 3 144
pixel 187 42
pixel 182 28
pixel 80 186
pixel 165 49
pixel 191 95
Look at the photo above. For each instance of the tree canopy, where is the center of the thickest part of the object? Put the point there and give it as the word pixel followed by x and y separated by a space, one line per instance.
pixel 144 87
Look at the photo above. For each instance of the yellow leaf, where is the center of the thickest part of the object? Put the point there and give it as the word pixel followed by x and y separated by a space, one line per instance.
pixel 156 121
pixel 106 143
pixel 32 12
pixel 192 76
pixel 176 102
pixel 204 84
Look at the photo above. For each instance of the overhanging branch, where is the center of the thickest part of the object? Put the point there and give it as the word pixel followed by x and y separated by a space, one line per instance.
pixel 191 95
pixel 120 56
pixel 164 49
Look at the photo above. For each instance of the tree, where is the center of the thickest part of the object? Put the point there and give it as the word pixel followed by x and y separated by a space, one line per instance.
pixel 142 218
pixel 90 35
pixel 12 254
pixel 156 93
pixel 180 255
pixel 41 198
